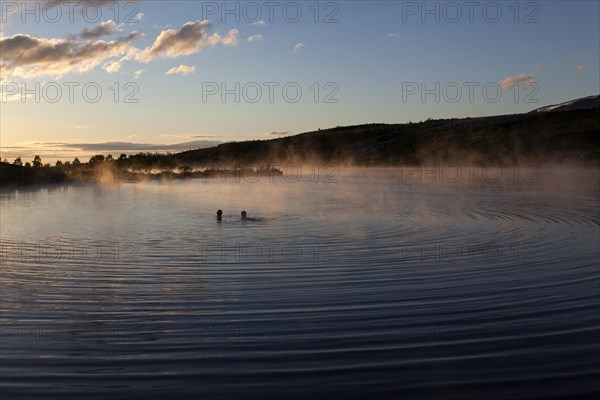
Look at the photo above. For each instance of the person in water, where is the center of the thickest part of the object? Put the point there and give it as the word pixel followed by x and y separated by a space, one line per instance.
pixel 245 217
pixel 219 215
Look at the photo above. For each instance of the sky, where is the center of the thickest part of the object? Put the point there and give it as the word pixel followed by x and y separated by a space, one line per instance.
pixel 102 77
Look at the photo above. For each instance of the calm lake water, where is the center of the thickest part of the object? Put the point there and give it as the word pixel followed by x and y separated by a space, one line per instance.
pixel 374 286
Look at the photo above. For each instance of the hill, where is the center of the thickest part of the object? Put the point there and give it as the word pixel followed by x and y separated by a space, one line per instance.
pixel 578 104
pixel 569 136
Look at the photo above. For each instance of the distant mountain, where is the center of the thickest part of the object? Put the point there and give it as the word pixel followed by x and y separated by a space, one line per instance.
pixel 577 104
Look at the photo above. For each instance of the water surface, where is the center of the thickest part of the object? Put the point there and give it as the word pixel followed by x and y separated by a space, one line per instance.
pixel 373 285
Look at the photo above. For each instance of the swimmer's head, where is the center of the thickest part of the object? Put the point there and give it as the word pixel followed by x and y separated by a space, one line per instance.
pixel 219 213
pixel 243 214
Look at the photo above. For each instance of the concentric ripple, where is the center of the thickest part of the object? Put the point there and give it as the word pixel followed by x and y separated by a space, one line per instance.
pixel 365 288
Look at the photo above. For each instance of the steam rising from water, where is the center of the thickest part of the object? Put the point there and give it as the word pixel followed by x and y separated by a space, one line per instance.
pixel 423 286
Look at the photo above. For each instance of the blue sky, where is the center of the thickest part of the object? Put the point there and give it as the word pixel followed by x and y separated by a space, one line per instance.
pixel 369 60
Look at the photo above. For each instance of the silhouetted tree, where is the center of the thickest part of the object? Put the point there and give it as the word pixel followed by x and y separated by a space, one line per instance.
pixel 37 161
pixel 97 159
pixel 122 161
pixel 18 161
pixel 76 161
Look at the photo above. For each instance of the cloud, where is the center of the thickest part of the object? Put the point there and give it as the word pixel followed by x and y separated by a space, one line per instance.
pixel 4 70
pixel 175 135
pixel 84 127
pixel 275 133
pixel 106 28
pixel 130 146
pixel 29 56
pixel 181 70
pixel 514 80
pixel 260 22
pixel 537 67
pixel 22 97
pixel 138 73
pixel 112 67
pixel 255 38
pixel 230 39
pixel 393 36
pixel 206 136
pixel 84 150
pixel 139 17
pixel 172 43
pixel 580 68
pixel 190 39
pixel 298 47
pixel 186 136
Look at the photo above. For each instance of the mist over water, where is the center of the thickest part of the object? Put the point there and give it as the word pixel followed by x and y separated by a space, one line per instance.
pixel 392 282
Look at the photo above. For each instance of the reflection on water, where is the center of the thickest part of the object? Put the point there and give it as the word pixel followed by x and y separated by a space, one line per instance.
pixel 373 284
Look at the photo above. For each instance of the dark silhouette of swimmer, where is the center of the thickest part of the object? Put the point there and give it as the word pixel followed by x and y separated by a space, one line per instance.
pixel 245 217
pixel 219 215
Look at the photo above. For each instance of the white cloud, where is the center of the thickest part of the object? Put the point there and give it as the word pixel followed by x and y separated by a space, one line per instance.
pixel 105 28
pixel 139 17
pixel 393 35
pixel 514 80
pixel 190 39
pixel 29 56
pixel 230 39
pixel 138 73
pixel 181 70
pixel 260 22
pixel 255 38
pixel 298 47
pixel 113 67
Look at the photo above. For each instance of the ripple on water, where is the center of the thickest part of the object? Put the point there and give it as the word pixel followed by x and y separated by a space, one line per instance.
pixel 421 292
